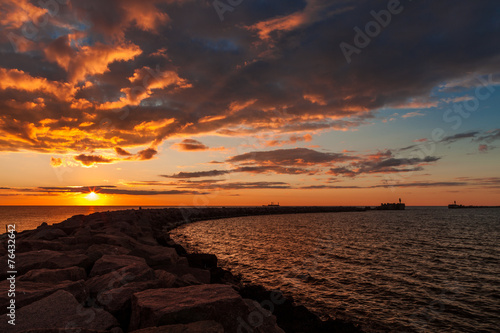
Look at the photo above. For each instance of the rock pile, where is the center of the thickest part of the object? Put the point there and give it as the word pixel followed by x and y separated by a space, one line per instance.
pixel 120 272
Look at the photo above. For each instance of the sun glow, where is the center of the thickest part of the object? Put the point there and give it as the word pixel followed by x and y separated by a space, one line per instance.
pixel 92 196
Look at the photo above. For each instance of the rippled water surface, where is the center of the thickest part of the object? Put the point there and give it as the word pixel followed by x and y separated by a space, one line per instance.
pixel 422 269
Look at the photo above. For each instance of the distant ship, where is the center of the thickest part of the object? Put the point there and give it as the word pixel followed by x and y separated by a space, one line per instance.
pixel 391 206
pixel 272 204
pixel 455 206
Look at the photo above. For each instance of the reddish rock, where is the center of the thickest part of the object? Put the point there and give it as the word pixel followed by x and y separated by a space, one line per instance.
pixel 117 239
pixel 55 275
pixel 116 279
pixel 220 303
pixel 48 233
pixel 27 245
pixel 182 261
pixel 125 228
pixel 117 301
pixel 167 279
pixel 206 326
pixel 202 275
pixel 28 292
pixel 60 310
pixel 147 240
pixel 186 280
pixel 83 235
pixel 45 259
pixel 108 263
pixel 96 251
pixel 72 224
pixel 156 256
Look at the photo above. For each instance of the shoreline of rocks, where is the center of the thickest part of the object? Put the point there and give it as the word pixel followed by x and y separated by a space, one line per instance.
pixel 120 272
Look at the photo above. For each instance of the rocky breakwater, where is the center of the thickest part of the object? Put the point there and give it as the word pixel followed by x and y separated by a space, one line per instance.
pixel 120 272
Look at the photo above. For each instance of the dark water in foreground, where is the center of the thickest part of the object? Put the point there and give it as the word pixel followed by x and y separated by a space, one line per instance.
pixel 418 270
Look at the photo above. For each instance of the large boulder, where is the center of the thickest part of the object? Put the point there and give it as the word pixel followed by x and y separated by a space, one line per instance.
pixel 156 256
pixel 83 235
pixel 167 279
pixel 72 224
pixel 28 292
pixel 96 251
pixel 55 275
pixel 45 259
pixel 59 310
pixel 117 239
pixel 220 303
pixel 205 326
pixel 137 272
pixel 109 263
pixel 27 245
pixel 202 275
pixel 48 233
pixel 117 301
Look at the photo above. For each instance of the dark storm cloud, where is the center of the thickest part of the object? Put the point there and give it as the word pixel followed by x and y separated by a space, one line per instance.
pixel 412 184
pixel 122 152
pixel 190 145
pixel 269 66
pixel 239 186
pixel 384 164
pixel 296 156
pixel 308 161
pixel 490 136
pixel 88 160
pixel 145 154
pixel 456 137
pixel 273 169
pixel 197 174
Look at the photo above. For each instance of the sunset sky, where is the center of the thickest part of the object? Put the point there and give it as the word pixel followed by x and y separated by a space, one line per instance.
pixel 244 102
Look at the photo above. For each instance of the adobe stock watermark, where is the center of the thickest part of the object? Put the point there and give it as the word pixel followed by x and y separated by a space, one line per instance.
pixel 373 28
pixel 221 7
pixel 454 115
pixel 30 29
pixel 263 310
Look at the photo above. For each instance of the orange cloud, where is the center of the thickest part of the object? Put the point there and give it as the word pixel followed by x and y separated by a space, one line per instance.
pixel 146 154
pixel 16 12
pixel 191 145
pixel 194 145
pixel 144 81
pixel 122 152
pixel 90 160
pixel 55 162
pixel 144 14
pixel 314 11
pixel 315 99
pixel 293 139
pixel 83 61
pixel 19 80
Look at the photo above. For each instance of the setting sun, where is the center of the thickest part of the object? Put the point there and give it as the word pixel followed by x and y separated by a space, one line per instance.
pixel 92 196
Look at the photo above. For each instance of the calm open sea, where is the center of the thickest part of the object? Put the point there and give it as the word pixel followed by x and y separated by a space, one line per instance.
pixel 419 270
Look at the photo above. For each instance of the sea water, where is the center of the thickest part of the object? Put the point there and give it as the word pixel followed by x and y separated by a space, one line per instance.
pixel 427 269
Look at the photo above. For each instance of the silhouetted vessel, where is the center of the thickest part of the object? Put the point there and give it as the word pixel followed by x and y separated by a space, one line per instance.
pixel 455 206
pixel 272 204
pixel 391 206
